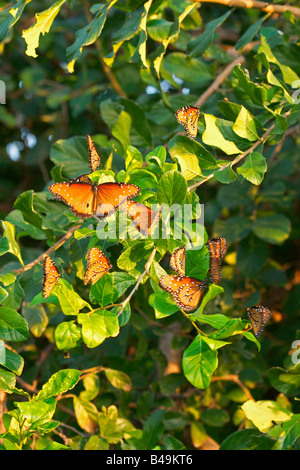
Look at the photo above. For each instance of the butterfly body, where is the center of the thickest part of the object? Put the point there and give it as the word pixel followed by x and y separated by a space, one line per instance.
pixel 187 292
pixel 97 265
pixel 258 316
pixel 51 276
pixel 188 117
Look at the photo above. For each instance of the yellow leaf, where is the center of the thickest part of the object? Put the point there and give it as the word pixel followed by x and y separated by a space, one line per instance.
pixel 42 25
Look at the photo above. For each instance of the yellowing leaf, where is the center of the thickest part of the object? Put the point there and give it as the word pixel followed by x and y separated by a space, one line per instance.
pixel 42 25
pixel 265 413
pixel 244 125
pixel 212 136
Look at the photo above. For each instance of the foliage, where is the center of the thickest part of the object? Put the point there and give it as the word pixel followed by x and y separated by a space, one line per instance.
pixel 118 365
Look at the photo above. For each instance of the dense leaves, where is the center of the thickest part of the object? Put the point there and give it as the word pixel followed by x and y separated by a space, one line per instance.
pixel 117 362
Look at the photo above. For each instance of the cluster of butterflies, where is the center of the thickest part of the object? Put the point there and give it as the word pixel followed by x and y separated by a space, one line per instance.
pixel 86 199
pixel 187 292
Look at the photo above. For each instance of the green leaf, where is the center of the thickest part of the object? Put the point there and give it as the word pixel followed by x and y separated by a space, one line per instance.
pixel 67 335
pixel 199 362
pixel 192 157
pixel 98 326
pixel 253 91
pixel 272 228
pixel 193 71
pixel 118 379
pixel 42 25
pixel 103 292
pixel 254 168
pixel 10 359
pixel 70 302
pixel 250 33
pixel 197 46
pixel 9 232
pixel 121 129
pixel 88 35
pixel 37 412
pixel 289 75
pixel 247 439
pixel 163 304
pixel 13 327
pixel 59 382
pixel 36 318
pixel 7 380
pixel 264 413
pixel 285 381
pixel 10 16
pixel 172 188
pixel 290 431
pixel 211 293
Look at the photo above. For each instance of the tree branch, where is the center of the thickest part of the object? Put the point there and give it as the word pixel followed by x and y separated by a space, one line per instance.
pixel 52 248
pixel 263 6
pixel 239 157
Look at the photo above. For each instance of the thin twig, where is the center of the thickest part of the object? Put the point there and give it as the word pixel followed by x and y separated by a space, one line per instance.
pixel 219 80
pixel 258 5
pixel 147 267
pixel 52 248
pixel 234 378
pixel 239 157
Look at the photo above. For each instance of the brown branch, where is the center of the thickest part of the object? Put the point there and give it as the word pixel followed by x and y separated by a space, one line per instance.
pixel 54 247
pixel 234 378
pixel 239 157
pixel 263 6
pixel 219 80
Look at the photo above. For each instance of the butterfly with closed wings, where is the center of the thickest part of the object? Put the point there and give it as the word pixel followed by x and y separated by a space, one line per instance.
pixel 51 276
pixel 188 117
pixel 97 265
pixel 258 316
pixel 187 292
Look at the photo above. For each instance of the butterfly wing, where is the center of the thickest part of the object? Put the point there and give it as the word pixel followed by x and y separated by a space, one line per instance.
pixel 258 316
pixel 97 265
pixel 51 276
pixel 177 261
pixel 93 154
pixel 143 218
pixel 79 194
pixel 186 291
pixel 111 195
pixel 188 116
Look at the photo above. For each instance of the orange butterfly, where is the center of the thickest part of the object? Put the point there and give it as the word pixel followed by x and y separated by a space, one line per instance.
pixel 217 248
pixel 93 154
pixel 84 198
pixel 143 218
pixel 51 276
pixel 177 261
pixel 258 317
pixel 186 292
pixel 188 116
pixel 97 265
